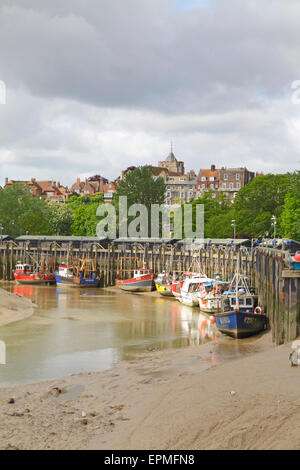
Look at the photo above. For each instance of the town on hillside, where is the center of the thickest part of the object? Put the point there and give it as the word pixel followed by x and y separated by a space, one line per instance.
pixel 181 186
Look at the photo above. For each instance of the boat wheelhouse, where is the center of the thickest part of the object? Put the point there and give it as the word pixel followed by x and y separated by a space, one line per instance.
pixel 210 296
pixel 190 289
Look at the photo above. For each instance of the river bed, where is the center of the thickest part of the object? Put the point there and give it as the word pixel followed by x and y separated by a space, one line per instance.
pixel 82 330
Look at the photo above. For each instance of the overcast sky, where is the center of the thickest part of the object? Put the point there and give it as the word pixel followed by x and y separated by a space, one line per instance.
pixel 94 86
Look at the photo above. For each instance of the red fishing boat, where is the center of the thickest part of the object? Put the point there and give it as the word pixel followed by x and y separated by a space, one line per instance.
pixel 25 274
pixel 142 281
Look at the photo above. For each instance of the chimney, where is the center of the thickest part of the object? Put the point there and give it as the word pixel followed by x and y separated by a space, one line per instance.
pixel 6 181
pixel 213 168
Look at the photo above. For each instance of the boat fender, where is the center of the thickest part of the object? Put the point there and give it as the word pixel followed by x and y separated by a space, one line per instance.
pixel 258 310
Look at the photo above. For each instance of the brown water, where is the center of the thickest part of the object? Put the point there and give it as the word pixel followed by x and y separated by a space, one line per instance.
pixel 81 330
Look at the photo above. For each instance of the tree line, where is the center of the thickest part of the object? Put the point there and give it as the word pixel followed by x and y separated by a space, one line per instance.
pixel 253 209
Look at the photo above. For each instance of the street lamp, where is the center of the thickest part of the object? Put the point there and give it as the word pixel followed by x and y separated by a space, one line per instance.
pixel 1 230
pixel 273 224
pixel 234 228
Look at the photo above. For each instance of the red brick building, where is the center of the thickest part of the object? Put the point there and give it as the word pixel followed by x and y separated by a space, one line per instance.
pixel 51 190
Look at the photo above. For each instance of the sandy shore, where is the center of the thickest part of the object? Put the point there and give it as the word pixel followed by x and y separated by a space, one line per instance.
pixel 177 399
pixel 14 308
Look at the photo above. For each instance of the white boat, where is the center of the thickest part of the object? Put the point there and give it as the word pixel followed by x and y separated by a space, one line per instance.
pixel 210 297
pixel 191 288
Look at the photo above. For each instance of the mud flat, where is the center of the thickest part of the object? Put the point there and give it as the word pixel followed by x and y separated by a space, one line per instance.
pixel 14 308
pixel 178 399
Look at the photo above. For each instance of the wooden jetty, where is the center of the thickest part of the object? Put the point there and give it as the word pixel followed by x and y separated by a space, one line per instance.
pixel 268 269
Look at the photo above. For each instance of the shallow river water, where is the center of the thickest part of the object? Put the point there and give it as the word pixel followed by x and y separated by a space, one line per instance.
pixel 82 330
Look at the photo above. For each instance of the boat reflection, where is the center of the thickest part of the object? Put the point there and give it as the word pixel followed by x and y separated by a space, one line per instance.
pixel 198 327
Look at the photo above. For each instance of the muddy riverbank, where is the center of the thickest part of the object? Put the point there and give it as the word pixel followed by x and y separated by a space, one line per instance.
pixel 162 400
pixel 14 308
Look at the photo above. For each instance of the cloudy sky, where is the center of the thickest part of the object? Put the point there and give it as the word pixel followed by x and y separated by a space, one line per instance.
pixel 93 86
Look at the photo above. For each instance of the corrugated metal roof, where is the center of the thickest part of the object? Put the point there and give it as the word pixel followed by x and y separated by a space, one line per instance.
pixel 58 238
pixel 214 241
pixel 143 240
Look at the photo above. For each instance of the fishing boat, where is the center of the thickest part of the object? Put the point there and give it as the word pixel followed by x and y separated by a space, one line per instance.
pixel 210 297
pixel 81 273
pixel 27 274
pixel 241 316
pixel 178 281
pixel 190 289
pixel 142 281
pixel 163 284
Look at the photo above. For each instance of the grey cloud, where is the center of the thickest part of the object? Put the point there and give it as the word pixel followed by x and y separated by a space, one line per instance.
pixel 96 85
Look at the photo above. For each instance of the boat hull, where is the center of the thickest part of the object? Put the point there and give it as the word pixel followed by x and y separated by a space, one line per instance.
pixel 75 282
pixel 164 290
pixel 34 279
pixel 137 286
pixel 240 324
pixel 189 300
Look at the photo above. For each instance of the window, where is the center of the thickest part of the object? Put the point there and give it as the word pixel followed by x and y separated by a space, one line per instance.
pixel 225 176
pixel 224 185
pixel 237 176
pixel 238 185
pixel 212 178
pixel 230 185
pixel 203 178
pixel 212 186
pixel 202 186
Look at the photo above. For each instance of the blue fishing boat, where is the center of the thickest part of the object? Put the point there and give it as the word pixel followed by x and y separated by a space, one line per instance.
pixel 80 274
pixel 241 316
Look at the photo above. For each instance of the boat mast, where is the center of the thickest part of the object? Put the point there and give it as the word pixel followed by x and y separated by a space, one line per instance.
pixel 237 283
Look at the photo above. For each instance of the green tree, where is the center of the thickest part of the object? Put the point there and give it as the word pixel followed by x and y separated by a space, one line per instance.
pixel 84 209
pixel 20 212
pixel 290 217
pixel 257 202
pixel 61 218
pixel 218 214
pixel 140 187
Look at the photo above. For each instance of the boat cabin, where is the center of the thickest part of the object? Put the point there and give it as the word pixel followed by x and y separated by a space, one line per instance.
pixel 65 271
pixel 23 268
pixel 141 272
pixel 246 303
pixel 194 284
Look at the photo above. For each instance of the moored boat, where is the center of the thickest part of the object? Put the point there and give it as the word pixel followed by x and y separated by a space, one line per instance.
pixel 241 316
pixel 190 289
pixel 142 281
pixel 26 274
pixel 210 297
pixel 178 281
pixel 82 274
pixel 163 284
